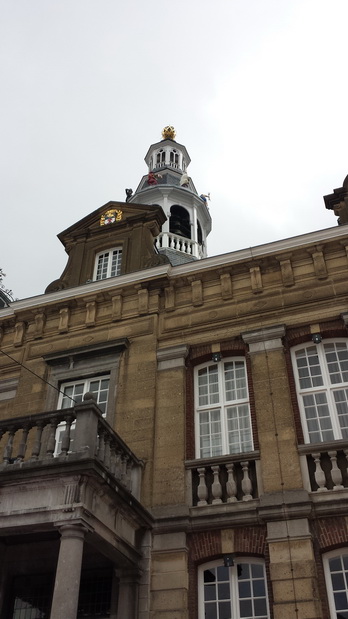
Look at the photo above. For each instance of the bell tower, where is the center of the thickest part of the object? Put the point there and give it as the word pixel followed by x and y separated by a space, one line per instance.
pixel 183 237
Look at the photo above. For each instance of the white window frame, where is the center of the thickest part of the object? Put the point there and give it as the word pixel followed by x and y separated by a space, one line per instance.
pixel 233 583
pixel 223 405
pixel 69 403
pixel 338 553
pixel 325 391
pixel 110 270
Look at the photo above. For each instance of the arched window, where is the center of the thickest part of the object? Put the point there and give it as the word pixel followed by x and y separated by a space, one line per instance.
pixel 223 422
pixel 179 222
pixel 174 158
pixel 321 375
pixel 161 157
pixel 108 264
pixel 233 592
pixel 199 233
pixel 336 576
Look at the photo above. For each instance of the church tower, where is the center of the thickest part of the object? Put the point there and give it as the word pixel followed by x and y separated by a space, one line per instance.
pixel 167 184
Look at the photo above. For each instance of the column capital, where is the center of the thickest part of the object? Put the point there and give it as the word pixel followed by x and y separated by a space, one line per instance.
pixel 70 529
pixel 172 357
pixel 267 338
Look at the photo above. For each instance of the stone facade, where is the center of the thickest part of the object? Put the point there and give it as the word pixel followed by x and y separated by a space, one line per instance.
pixel 130 497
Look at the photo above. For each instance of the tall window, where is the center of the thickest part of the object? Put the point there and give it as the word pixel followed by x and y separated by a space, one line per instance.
pixel 237 592
pixel 108 264
pixel 223 423
pixel 321 373
pixel 336 574
pixel 72 393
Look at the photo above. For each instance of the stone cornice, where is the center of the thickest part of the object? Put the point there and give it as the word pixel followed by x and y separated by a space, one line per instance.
pixel 169 272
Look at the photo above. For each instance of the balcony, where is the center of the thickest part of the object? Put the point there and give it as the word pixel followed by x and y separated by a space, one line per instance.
pixel 325 473
pixel 73 512
pixel 30 442
pixel 226 480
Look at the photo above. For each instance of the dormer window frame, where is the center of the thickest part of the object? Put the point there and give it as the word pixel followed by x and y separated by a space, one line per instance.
pixel 107 263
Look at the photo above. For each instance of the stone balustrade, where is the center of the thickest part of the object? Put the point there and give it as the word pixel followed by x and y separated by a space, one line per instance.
pixel 227 479
pixel 325 466
pixel 174 241
pixel 32 440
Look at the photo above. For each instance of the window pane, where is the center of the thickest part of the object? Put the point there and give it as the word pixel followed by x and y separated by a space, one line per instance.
pixel 239 428
pixel 318 417
pixel 208 386
pixel 251 601
pixel 341 401
pixel 210 434
pixel 224 610
pixel 337 361
pixel 246 609
pixel 102 266
pixel 235 381
pixel 338 569
pixel 116 262
pixel 309 371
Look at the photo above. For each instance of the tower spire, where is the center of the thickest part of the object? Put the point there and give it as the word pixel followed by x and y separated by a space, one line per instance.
pixel 167 183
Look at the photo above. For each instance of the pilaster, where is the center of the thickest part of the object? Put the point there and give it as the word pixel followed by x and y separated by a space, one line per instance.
pixel 274 414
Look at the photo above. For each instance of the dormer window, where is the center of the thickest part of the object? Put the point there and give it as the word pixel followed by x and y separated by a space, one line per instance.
pixel 108 264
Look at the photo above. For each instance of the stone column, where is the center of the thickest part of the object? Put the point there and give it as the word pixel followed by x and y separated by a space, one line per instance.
pixel 67 581
pixel 128 594
pixel 293 570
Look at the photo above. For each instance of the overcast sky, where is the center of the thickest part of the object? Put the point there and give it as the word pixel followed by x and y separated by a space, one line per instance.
pixel 256 90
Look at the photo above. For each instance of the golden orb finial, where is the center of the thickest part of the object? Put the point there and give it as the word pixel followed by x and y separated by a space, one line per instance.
pixel 168 133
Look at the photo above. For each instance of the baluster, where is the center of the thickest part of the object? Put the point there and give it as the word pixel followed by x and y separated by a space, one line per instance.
pixel 23 444
pixel 202 490
pixel 247 487
pixel 124 461
pixel 336 474
pixel 319 474
pixel 35 452
pixel 51 441
pixel 9 446
pixel 129 474
pixel 112 457
pixel 66 435
pixel 231 486
pixel 118 464
pixel 216 488
pixel 101 445
pixel 345 451
pixel 2 432
pixel 107 439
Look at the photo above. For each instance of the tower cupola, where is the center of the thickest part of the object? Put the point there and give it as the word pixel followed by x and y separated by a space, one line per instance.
pixel 167 184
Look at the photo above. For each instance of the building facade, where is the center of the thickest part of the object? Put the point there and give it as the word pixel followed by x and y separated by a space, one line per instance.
pixel 174 428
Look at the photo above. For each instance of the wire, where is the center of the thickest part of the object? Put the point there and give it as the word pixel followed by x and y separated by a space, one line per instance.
pixel 37 376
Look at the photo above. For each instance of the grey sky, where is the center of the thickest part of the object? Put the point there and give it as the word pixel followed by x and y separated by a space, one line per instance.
pixel 256 90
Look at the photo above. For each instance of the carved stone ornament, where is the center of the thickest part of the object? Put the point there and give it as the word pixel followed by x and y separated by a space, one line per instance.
pixel 111 216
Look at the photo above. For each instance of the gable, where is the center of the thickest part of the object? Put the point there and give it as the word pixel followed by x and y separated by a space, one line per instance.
pixel 121 215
